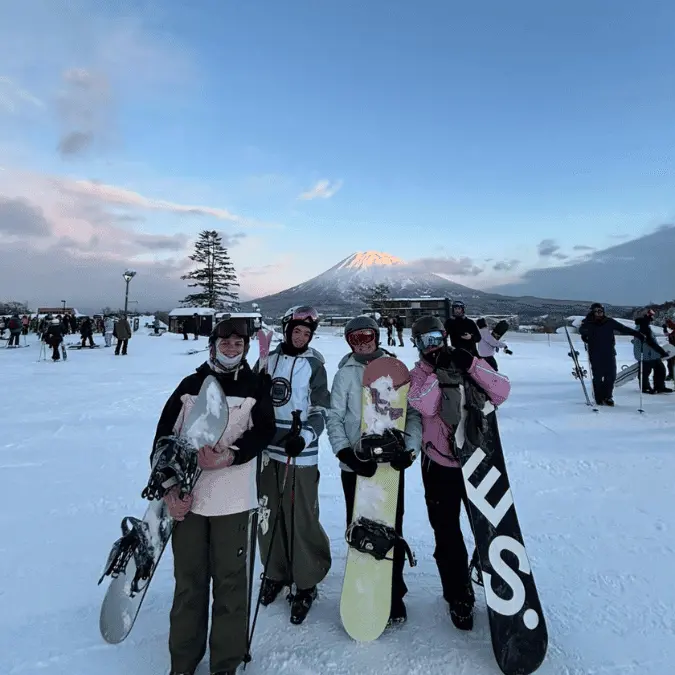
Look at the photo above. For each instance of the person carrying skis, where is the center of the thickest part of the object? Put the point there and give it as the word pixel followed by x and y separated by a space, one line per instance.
pixel 344 432
pixel 212 537
pixel 597 332
pixel 462 331
pixel 435 393
pixel 650 357
pixel 489 344
pixel 299 552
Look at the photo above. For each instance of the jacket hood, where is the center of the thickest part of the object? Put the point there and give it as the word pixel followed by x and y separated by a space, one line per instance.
pixel 309 352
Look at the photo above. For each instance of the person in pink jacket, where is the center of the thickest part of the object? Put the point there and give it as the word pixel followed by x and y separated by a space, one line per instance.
pixel 435 393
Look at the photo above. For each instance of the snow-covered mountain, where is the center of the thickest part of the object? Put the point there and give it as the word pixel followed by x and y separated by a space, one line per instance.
pixel 341 288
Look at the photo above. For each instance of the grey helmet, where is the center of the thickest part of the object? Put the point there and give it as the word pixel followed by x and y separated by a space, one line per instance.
pixel 362 322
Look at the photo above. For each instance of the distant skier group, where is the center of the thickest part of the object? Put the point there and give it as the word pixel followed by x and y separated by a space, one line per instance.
pixel 266 465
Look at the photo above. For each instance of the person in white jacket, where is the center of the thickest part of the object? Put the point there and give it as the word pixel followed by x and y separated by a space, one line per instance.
pixel 489 344
pixel 108 327
pixel 344 432
pixel 295 553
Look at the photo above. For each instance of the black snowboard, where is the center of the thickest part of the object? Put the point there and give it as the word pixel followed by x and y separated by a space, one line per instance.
pixel 500 328
pixel 518 629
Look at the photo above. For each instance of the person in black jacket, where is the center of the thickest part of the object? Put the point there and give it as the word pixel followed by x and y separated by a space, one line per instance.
pixel 597 331
pixel 53 336
pixel 462 331
pixel 213 536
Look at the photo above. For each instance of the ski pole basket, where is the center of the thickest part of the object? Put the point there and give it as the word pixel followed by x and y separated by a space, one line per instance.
pixel 376 539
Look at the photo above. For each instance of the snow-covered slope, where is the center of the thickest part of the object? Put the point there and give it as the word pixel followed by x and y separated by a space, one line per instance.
pixel 593 493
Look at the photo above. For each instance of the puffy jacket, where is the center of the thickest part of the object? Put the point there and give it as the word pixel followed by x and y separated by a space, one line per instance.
pixel 645 350
pixel 344 414
pixel 425 396
pixel 299 382
pixel 109 325
pixel 122 330
pixel 229 489
pixel 456 326
pixel 488 343
pixel 599 335
pixel 15 324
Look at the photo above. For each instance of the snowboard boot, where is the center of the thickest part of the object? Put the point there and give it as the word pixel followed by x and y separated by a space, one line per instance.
pixel 609 402
pixel 665 390
pixel 461 609
pixel 398 613
pixel 269 591
pixel 301 603
pixel 475 573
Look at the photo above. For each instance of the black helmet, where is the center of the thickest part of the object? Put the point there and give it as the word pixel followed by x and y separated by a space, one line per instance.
pixel 427 324
pixel 225 328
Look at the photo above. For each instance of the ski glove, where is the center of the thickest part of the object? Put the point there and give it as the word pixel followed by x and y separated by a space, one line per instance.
pixel 209 458
pixel 294 446
pixel 366 469
pixel 459 358
pixel 403 462
pixel 178 508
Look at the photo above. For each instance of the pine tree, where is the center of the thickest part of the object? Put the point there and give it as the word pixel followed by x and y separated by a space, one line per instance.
pixel 214 274
pixel 375 295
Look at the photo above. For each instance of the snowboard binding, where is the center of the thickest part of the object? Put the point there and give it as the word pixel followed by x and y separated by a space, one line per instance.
pixel 174 463
pixel 376 539
pixel 381 448
pixel 579 373
pixel 135 541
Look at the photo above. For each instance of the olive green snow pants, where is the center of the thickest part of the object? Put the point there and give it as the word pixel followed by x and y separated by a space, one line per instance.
pixel 209 549
pixel 301 548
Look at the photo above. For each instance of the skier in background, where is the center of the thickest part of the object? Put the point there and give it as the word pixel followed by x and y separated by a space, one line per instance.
pixel 489 344
pixel 108 328
pixel 670 325
pixel 14 326
pixel 462 331
pixel 300 553
pixel 87 332
pixel 122 332
pixel 25 323
pixel 53 336
pixel 389 324
pixel 597 331
pixel 344 432
pixel 212 539
pixel 650 357
pixel 435 393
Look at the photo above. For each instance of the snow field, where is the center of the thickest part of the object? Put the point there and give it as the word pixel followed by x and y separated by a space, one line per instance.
pixel 593 494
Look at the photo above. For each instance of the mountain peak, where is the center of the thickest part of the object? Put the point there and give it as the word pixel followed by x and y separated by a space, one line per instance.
pixel 366 259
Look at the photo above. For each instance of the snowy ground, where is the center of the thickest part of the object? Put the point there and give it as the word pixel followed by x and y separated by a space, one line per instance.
pixel 593 493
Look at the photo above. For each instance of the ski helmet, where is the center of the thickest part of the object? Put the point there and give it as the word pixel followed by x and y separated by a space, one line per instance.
pixel 303 315
pixel 227 327
pixel 428 333
pixel 363 323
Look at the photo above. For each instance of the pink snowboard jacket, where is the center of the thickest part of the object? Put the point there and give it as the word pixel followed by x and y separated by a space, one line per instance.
pixel 425 397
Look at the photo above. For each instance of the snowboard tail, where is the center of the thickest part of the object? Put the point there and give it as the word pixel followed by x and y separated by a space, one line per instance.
pixel 517 626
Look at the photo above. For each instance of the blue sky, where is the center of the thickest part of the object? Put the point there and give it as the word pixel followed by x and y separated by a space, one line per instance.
pixel 444 130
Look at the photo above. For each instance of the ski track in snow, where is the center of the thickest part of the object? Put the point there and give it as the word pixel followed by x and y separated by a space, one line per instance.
pixel 593 494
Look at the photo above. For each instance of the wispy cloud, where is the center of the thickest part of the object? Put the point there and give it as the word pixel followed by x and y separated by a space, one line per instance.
pixel 13 97
pixel 547 247
pixel 583 247
pixel 505 265
pixel 461 267
pixel 323 189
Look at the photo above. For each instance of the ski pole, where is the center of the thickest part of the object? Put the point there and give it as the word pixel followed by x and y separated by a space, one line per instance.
pixel 640 409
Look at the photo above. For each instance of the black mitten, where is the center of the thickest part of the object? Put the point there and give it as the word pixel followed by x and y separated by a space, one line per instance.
pixel 366 469
pixel 295 445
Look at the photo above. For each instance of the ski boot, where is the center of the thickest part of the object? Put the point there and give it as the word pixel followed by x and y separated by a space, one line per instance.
pixel 301 603
pixel 398 613
pixel 269 591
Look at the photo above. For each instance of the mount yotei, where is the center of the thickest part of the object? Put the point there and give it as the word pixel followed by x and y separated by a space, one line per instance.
pixel 341 290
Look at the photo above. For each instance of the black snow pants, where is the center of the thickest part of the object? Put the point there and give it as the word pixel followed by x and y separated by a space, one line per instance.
pixel 444 493
pixel 604 375
pixel 398 587
pixel 656 366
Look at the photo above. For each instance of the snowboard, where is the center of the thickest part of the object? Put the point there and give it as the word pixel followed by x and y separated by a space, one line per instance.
pixel 205 424
pixel 518 631
pixel 365 602
pixel 500 329
pixel 629 373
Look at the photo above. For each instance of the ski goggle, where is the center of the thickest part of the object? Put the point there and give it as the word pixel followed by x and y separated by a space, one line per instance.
pixel 303 314
pixel 361 337
pixel 229 327
pixel 431 340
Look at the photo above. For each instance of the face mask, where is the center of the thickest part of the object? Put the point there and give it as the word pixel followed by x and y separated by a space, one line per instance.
pixel 228 362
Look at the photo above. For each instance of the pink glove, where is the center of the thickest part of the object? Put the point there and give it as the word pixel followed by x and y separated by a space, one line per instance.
pixel 178 508
pixel 210 458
